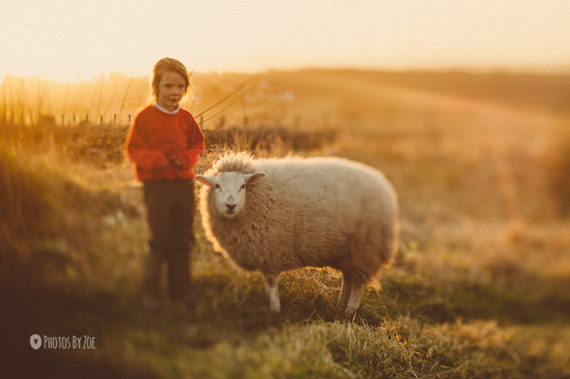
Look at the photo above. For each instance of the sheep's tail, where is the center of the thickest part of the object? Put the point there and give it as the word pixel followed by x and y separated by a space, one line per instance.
pixel 399 256
pixel 395 250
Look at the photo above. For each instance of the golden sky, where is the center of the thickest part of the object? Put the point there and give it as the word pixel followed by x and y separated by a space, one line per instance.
pixel 71 39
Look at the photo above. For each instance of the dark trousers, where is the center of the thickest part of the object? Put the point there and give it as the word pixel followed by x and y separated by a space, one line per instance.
pixel 171 206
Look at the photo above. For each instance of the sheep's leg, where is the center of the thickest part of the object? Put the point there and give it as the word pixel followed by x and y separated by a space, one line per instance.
pixel 272 289
pixel 345 290
pixel 355 296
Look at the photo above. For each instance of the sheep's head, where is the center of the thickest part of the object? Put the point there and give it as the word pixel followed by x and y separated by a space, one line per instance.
pixel 229 190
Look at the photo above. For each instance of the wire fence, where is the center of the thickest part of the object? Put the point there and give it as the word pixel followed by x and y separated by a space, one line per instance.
pixel 22 113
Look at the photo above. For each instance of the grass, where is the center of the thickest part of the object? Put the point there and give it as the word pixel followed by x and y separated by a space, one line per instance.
pixel 481 289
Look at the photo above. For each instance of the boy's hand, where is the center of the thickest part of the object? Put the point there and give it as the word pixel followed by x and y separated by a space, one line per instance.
pixel 177 162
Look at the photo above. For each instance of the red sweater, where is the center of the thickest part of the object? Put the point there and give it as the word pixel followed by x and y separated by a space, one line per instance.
pixel 155 137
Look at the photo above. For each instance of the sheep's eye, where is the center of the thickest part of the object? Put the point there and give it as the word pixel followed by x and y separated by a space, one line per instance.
pixel 242 187
pixel 217 186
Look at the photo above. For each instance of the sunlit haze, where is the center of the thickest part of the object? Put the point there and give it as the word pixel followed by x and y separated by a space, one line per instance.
pixel 68 40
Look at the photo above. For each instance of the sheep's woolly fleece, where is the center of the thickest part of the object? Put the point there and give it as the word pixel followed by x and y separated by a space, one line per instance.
pixel 307 212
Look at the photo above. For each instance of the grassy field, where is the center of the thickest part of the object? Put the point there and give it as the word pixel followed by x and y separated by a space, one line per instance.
pixel 481 289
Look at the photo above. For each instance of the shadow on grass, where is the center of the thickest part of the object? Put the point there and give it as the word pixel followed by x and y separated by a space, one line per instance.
pixel 230 310
pixel 129 341
pixel 67 314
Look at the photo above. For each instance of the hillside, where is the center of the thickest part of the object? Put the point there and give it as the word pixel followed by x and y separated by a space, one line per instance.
pixel 481 289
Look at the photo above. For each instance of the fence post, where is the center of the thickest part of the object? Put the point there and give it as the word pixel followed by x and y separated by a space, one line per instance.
pixel 115 119
pixel 129 119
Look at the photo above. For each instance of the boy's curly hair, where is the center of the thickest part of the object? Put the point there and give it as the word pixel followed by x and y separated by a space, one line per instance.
pixel 168 65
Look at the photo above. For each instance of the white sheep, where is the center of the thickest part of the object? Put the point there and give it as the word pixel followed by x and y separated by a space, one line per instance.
pixel 275 215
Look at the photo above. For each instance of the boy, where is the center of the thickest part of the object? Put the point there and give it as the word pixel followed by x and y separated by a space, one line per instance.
pixel 164 143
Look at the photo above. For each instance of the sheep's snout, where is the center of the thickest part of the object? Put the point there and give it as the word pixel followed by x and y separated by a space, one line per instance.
pixel 230 207
pixel 230 210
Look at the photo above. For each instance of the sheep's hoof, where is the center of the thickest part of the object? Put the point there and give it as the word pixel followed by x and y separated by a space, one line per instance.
pixel 275 307
pixel 350 311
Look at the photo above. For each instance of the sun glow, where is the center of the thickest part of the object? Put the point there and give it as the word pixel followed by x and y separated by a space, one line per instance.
pixel 69 40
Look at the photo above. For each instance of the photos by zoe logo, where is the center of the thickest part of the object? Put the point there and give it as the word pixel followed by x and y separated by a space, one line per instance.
pixel 35 341
pixel 74 342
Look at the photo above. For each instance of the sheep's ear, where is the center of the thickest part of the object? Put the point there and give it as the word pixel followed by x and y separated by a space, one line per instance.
pixel 207 180
pixel 254 178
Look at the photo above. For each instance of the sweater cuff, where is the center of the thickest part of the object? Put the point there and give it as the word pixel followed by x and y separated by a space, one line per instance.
pixel 185 161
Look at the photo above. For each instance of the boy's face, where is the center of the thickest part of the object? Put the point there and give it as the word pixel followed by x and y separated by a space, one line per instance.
pixel 170 90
